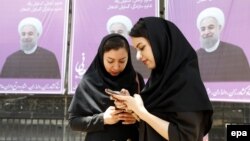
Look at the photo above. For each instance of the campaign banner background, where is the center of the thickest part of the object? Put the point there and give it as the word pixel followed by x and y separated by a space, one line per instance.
pixel 53 15
pixel 236 30
pixel 89 26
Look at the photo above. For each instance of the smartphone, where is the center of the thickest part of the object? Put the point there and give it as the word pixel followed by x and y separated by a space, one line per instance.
pixel 109 91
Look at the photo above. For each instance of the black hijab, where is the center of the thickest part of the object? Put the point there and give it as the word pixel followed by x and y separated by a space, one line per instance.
pixel 90 97
pixel 175 83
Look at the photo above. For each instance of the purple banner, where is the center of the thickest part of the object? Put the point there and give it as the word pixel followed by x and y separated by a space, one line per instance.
pixel 89 27
pixel 225 73
pixel 33 46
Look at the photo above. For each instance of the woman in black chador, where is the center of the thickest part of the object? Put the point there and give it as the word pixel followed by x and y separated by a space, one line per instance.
pixel 174 104
pixel 91 109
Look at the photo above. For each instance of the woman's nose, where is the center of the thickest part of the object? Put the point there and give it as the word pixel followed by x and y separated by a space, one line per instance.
pixel 138 55
pixel 116 66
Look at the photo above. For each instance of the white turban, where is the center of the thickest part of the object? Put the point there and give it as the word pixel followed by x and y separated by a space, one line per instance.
pixel 119 19
pixel 31 21
pixel 211 12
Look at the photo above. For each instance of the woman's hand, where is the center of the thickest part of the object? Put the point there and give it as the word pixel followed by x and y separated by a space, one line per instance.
pixel 134 104
pixel 111 115
pixel 127 118
pixel 118 103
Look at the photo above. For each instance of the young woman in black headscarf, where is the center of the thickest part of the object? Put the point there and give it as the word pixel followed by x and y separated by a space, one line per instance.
pixel 91 109
pixel 174 104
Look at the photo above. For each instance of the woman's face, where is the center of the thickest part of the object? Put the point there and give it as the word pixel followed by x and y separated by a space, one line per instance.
pixel 144 51
pixel 115 61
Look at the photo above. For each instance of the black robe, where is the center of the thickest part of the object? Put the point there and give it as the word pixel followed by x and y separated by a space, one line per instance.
pixel 90 100
pixel 227 63
pixel 174 91
pixel 42 64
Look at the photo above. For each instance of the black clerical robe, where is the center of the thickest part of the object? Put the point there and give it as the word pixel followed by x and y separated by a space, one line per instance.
pixel 40 64
pixel 227 63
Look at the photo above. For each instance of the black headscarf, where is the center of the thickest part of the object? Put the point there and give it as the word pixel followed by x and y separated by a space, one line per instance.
pixel 90 97
pixel 175 83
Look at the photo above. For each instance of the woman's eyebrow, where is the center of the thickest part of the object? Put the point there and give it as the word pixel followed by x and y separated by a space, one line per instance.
pixel 137 46
pixel 110 58
pixel 123 58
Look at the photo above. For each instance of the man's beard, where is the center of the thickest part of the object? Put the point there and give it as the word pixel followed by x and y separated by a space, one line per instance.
pixel 208 42
pixel 27 45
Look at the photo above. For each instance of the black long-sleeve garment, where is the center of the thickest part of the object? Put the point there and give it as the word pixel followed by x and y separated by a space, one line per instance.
pixel 90 100
pixel 174 91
